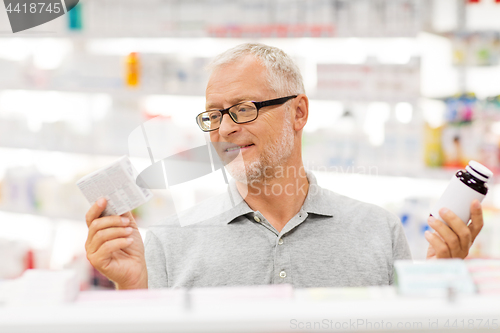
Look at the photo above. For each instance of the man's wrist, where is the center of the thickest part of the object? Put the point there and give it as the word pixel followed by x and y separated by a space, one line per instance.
pixel 141 283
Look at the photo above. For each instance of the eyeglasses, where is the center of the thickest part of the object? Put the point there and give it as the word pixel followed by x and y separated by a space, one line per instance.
pixel 240 113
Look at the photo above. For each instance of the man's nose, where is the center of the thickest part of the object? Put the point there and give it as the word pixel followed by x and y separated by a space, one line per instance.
pixel 227 126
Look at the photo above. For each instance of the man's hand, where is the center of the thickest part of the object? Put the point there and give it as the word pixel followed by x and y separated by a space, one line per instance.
pixel 114 247
pixel 455 239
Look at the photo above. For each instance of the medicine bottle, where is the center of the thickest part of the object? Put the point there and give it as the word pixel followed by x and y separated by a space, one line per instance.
pixel 465 186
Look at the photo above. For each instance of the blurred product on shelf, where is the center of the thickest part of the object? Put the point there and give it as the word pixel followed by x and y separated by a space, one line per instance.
pixel 486 275
pixel 26 190
pixel 434 154
pixel 370 81
pixel 433 278
pixel 367 138
pixel 440 278
pixel 461 143
pixel 75 19
pixel 490 150
pixel 413 215
pixel 470 132
pixel 491 107
pixel 18 188
pixel 476 49
pixel 13 258
pixel 461 109
pixel 40 287
pixel 461 137
pixel 16 256
pixel 133 70
pixel 486 244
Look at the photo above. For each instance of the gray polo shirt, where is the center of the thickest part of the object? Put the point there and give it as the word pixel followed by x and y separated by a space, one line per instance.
pixel 333 241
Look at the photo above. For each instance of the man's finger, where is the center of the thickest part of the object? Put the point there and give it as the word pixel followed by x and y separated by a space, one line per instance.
pixel 111 246
pixel 95 211
pixel 440 247
pixel 129 215
pixel 458 226
pixel 106 222
pixel 477 222
pixel 105 235
pixel 447 235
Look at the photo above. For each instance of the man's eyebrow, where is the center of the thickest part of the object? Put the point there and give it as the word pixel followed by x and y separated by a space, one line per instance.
pixel 233 102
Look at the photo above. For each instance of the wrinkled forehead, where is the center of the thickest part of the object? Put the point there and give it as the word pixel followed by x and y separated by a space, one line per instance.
pixel 248 68
pixel 232 83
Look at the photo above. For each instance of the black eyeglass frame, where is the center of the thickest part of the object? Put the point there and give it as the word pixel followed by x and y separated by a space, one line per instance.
pixel 258 106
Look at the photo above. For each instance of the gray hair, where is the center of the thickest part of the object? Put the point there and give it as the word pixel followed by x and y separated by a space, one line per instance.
pixel 283 74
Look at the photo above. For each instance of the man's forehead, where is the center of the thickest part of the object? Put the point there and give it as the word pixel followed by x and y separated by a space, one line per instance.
pixel 244 80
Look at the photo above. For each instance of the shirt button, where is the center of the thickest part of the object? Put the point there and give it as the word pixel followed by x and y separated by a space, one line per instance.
pixel 280 241
pixel 283 274
pixel 256 218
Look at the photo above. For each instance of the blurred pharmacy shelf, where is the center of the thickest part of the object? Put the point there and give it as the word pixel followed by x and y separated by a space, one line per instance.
pixel 264 19
pixel 275 308
pixel 176 66
pixel 240 19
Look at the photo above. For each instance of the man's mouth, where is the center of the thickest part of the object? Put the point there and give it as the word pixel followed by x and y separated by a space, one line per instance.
pixel 237 147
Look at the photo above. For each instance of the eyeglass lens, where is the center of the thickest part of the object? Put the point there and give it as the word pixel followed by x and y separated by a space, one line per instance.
pixel 240 113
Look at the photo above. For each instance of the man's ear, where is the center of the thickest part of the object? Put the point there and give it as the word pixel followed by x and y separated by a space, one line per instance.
pixel 301 111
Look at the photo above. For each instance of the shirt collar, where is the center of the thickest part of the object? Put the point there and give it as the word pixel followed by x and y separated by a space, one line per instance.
pixel 318 201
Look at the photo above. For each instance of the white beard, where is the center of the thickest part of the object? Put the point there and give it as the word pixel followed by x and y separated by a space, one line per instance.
pixel 274 155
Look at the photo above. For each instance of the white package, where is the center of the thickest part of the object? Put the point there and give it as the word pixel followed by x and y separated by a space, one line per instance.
pixel 42 287
pixel 117 184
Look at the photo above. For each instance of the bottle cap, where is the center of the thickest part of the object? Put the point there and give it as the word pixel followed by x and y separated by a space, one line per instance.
pixel 479 171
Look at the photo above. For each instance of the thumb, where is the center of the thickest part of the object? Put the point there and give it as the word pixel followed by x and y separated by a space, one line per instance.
pixel 95 211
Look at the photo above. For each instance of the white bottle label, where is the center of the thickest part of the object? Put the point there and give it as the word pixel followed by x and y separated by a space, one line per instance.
pixel 457 197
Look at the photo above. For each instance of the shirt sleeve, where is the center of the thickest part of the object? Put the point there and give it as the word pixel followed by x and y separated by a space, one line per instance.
pixel 400 247
pixel 155 262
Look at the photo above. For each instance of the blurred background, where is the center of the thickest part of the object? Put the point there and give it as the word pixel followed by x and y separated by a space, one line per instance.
pixel 403 93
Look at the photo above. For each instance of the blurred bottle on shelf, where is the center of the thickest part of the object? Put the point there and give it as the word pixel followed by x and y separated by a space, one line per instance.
pixel 13 254
pixel 75 20
pixel 132 73
pixel 413 215
pixel 487 244
pixel 434 156
pixel 18 188
pixel 16 256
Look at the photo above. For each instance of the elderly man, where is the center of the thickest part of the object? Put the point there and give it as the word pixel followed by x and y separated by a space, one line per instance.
pixel 287 229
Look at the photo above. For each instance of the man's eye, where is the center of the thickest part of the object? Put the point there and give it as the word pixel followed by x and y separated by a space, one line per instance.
pixel 214 117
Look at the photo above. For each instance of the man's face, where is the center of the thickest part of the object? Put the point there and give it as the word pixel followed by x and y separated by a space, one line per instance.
pixel 265 142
